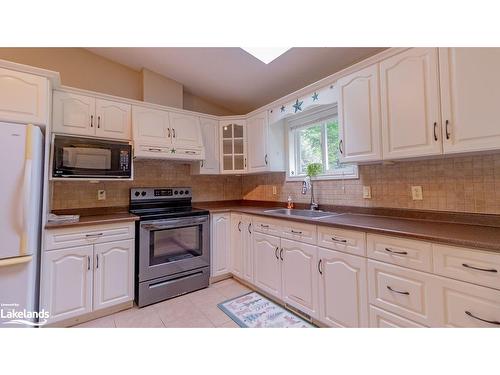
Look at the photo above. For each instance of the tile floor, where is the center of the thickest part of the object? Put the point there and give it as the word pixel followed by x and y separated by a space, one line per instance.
pixel 194 310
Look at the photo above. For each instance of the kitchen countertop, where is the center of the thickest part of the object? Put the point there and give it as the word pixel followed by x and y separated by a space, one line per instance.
pixel 484 237
pixel 96 219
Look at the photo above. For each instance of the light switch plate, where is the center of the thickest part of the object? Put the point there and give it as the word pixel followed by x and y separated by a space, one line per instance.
pixel 274 190
pixel 367 192
pixel 416 193
pixel 101 195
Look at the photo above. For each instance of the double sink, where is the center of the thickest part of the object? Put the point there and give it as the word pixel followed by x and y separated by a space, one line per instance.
pixel 308 214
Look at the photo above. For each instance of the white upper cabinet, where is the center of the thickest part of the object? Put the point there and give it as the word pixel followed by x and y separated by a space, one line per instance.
pixel 73 114
pixel 470 92
pixel 210 136
pixel 23 97
pixel 186 131
pixel 76 114
pixel 113 273
pixel 409 90
pixel 359 116
pixel 151 131
pixel 257 139
pixel 113 119
pixel 233 148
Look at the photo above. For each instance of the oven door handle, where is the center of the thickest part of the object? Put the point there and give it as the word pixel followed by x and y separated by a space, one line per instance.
pixel 174 223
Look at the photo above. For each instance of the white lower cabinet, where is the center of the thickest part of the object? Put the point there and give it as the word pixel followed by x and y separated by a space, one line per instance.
pixel 267 272
pixel 67 282
pixel 236 252
pixel 221 242
pixel 380 318
pixel 86 278
pixel 247 240
pixel 299 276
pixel 342 289
pixel 113 273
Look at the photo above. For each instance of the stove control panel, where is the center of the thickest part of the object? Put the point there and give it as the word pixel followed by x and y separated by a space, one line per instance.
pixel 160 193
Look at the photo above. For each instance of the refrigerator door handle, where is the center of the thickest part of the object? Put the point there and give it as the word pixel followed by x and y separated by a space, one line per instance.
pixel 15 261
pixel 28 162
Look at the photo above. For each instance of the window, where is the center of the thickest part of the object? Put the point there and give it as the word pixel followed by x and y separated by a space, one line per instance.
pixel 314 138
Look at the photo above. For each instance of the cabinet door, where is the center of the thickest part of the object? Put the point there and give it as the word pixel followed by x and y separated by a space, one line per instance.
pixel 359 116
pixel 210 136
pixel 267 271
pixel 23 97
pixel 73 114
pixel 150 127
pixel 236 252
pixel 257 138
pixel 67 282
pixel 246 227
pixel 343 297
pixel 470 88
pixel 409 94
pixel 300 276
pixel 233 148
pixel 185 130
pixel 113 273
pixel 221 242
pixel 113 119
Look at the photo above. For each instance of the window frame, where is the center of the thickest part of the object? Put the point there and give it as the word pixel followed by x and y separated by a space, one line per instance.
pixel 315 116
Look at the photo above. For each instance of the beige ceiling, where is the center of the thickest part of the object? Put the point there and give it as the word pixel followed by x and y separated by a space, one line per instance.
pixel 234 79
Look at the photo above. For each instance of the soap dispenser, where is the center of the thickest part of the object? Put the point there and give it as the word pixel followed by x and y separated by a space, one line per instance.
pixel 289 204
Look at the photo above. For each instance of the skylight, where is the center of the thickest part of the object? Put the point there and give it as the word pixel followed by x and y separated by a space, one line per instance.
pixel 266 54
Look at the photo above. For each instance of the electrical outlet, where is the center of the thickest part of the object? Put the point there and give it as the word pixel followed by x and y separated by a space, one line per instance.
pixel 101 195
pixel 367 192
pixel 416 193
pixel 275 191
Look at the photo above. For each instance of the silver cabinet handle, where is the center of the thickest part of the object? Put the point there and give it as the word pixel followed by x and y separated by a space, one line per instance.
pixel 239 226
pixel 97 261
pixel 88 262
pixel 479 269
pixel 173 132
pixel 447 122
pixel 98 122
pixel 296 231
pixel 281 254
pixel 202 163
pixel 398 291
pixel 495 322
pixel 91 121
pixel 396 252
pixel 250 228
pixel 265 159
pixel 340 147
pixel 319 267
pixel 245 162
pixel 338 240
pixel 168 132
pixel 435 134
pixel 276 253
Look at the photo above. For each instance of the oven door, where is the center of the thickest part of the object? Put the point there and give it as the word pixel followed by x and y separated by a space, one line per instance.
pixel 171 246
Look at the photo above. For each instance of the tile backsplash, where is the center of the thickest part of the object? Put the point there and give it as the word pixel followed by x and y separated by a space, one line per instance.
pixel 147 173
pixel 463 184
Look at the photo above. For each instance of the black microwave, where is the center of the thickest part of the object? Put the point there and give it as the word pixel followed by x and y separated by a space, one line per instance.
pixel 78 157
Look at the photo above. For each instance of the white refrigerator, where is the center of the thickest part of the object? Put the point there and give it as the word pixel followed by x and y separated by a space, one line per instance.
pixel 21 171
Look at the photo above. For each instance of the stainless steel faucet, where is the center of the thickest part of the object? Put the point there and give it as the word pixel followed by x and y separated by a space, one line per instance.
pixel 308 185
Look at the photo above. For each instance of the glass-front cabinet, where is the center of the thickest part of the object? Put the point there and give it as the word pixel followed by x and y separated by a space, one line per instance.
pixel 233 147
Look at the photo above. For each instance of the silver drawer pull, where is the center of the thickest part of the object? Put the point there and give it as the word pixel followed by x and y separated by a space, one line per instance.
pixel 338 240
pixel 94 235
pixel 398 291
pixel 154 149
pixel 497 323
pixel 264 226
pixel 396 252
pixel 190 152
pixel 479 269
pixel 296 231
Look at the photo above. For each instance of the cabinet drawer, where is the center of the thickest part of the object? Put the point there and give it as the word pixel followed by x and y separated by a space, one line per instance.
pixel 403 291
pixel 87 235
pixel 266 225
pixel 348 241
pixel 383 319
pixel 400 251
pixel 298 231
pixel 467 305
pixel 477 267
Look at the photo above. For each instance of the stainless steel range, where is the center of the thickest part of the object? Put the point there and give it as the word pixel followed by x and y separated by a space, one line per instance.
pixel 172 244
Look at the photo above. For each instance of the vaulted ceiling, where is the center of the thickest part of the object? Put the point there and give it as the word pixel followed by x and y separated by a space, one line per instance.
pixel 234 79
